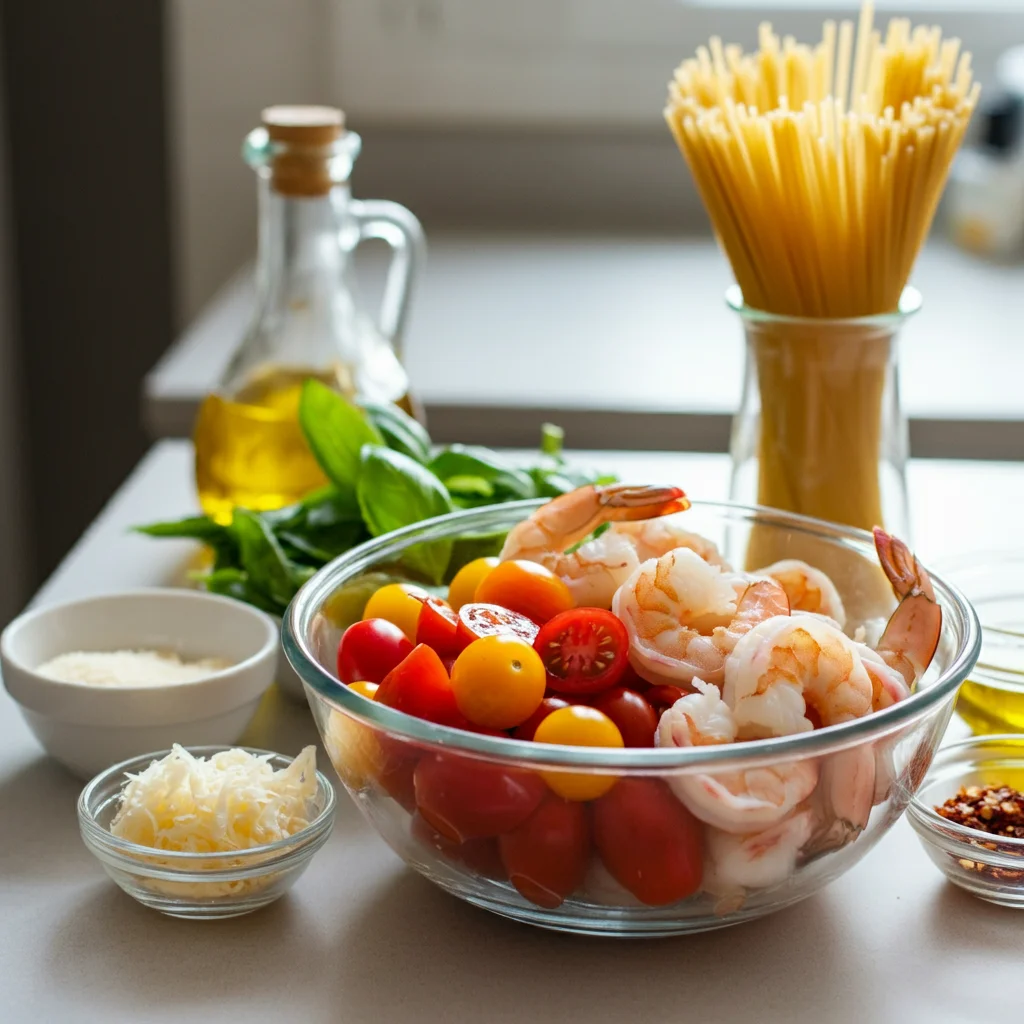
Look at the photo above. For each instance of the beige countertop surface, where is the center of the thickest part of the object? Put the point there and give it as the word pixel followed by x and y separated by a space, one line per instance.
pixel 626 342
pixel 363 939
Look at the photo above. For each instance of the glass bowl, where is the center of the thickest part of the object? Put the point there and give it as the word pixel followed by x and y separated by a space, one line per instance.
pixel 988 866
pixel 199 885
pixel 992 698
pixel 863 773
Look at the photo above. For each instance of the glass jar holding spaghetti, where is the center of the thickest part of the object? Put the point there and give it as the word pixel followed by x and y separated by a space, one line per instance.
pixel 821 168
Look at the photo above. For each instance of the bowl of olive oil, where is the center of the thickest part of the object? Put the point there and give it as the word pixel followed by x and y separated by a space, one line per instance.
pixel 992 698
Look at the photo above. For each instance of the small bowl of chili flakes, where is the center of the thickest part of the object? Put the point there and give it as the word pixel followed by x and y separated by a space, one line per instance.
pixel 969 816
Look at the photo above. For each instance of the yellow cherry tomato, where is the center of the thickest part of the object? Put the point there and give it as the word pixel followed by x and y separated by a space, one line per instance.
pixel 399 603
pixel 364 689
pixel 579 726
pixel 462 589
pixel 498 682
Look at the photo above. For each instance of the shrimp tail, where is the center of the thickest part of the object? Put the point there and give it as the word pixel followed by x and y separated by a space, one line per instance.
pixel 644 502
pixel 912 633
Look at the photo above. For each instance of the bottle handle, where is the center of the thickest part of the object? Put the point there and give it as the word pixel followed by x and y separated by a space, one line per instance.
pixel 394 224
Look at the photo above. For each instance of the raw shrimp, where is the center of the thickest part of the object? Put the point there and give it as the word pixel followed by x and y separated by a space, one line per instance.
pixel 787 669
pixel 736 863
pixel 747 800
pixel 888 686
pixel 911 635
pixel 653 538
pixel 684 615
pixel 597 567
pixel 808 589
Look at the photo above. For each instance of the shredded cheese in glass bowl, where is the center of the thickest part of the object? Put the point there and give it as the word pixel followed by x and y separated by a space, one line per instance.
pixel 207 832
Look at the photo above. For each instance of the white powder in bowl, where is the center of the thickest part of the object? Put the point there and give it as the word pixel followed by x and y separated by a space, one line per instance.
pixel 128 668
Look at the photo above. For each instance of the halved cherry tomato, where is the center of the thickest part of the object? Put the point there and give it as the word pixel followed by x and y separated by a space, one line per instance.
pixel 364 689
pixel 467 799
pixel 420 686
pixel 526 587
pixel 479 620
pixel 370 649
pixel 584 650
pixel 498 682
pixel 663 695
pixel 546 857
pixel 529 727
pixel 581 726
pixel 648 841
pixel 437 627
pixel 395 768
pixel 462 589
pixel 399 603
pixel 635 718
pixel 481 856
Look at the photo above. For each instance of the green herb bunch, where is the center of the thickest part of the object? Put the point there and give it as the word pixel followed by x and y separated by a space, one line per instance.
pixel 384 473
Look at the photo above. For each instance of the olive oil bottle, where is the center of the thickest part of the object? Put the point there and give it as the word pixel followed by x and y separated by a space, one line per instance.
pixel 308 322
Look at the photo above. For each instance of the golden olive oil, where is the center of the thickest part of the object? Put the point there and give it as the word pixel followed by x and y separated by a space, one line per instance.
pixel 991 709
pixel 250 451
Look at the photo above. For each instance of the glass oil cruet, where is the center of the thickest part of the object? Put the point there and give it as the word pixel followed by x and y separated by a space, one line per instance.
pixel 250 450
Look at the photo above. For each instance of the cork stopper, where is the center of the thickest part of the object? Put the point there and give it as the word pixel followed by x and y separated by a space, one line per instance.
pixel 306 133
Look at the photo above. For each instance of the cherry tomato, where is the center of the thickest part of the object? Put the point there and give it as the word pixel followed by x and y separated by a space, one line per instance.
pixel 584 650
pixel 364 689
pixel 420 686
pixel 529 727
pixel 498 682
pixel 546 857
pixel 526 587
pixel 437 627
pixel 633 680
pixel 370 649
pixel 479 620
pixel 481 856
pixel 578 726
pixel 648 841
pixel 467 799
pixel 395 769
pixel 462 589
pixel 663 696
pixel 399 603
pixel 635 718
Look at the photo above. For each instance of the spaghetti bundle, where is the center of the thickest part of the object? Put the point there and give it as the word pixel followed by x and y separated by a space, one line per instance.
pixel 821 169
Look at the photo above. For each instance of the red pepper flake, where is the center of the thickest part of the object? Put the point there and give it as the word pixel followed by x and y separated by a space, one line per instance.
pixel 997 810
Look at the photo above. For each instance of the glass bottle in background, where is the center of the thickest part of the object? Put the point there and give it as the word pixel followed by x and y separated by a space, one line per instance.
pixel 250 451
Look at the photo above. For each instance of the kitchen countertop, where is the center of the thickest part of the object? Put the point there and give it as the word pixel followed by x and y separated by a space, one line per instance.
pixel 627 343
pixel 361 938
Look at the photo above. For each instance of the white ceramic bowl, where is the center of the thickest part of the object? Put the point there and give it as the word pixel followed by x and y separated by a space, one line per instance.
pixel 90 728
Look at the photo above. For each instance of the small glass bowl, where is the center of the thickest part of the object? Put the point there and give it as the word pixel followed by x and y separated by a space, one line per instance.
pixel 199 885
pixel 988 866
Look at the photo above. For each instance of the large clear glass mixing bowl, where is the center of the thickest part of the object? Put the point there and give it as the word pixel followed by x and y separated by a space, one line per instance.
pixel 865 770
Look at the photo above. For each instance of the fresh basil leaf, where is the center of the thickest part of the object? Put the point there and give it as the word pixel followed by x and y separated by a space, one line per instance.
pixel 219 538
pixel 401 432
pixel 469 486
pixel 335 431
pixel 395 491
pixel 235 583
pixel 471 546
pixel 552 439
pixel 262 558
pixel 510 483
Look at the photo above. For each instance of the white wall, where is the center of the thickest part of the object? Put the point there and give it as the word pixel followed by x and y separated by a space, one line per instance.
pixel 228 60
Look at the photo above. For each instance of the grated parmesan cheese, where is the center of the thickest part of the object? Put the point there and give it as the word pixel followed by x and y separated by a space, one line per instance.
pixel 233 801
pixel 128 668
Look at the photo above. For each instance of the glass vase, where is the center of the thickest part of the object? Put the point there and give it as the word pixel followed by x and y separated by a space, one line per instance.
pixel 820 430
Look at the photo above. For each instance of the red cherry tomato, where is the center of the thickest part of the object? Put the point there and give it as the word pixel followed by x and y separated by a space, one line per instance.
pixel 466 799
pixel 635 718
pixel 481 856
pixel 583 650
pixel 526 587
pixel 395 769
pixel 663 696
pixel 437 627
pixel 480 620
pixel 546 857
pixel 633 680
pixel 420 686
pixel 529 727
pixel 370 649
pixel 648 841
